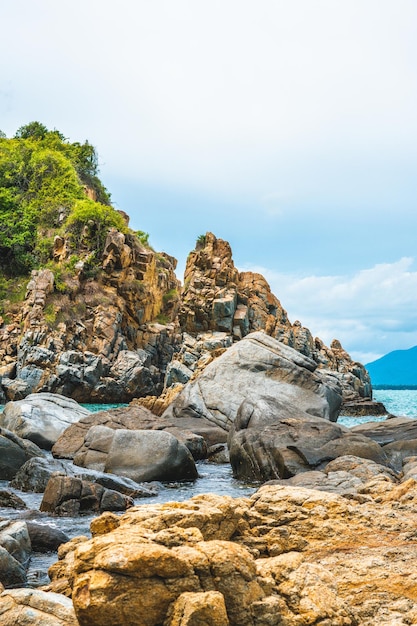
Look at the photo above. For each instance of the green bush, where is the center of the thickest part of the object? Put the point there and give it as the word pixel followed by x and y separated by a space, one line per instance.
pixel 89 223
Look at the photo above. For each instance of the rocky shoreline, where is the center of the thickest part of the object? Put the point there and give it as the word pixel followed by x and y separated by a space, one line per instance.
pixel 327 538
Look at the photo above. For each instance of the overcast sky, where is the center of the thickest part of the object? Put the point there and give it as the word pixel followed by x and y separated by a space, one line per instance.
pixel 287 127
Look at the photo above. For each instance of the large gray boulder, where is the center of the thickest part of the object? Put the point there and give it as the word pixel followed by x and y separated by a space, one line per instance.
pixel 255 367
pixel 269 441
pixel 41 417
pixel 141 455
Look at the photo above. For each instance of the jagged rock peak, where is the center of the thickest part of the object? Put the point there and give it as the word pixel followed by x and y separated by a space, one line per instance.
pixel 218 298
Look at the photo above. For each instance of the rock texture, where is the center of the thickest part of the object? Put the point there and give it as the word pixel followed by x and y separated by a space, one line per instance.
pixel 268 441
pixel 286 556
pixel 14 452
pixel 41 417
pixel 77 440
pixel 217 297
pixel 95 338
pixel 15 550
pixel 124 330
pixel 33 607
pixel 258 366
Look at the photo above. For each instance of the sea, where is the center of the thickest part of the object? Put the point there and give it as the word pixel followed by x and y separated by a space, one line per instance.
pixel 213 478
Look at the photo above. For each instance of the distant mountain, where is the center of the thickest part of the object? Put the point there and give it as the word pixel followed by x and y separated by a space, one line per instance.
pixel 395 368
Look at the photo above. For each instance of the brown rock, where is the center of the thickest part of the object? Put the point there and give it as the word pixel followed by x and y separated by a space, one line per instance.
pixel 198 609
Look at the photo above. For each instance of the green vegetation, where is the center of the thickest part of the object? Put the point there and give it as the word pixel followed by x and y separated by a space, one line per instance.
pixel 201 241
pixel 170 295
pixel 50 186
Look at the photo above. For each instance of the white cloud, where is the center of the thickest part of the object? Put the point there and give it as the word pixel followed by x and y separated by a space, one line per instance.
pixel 371 312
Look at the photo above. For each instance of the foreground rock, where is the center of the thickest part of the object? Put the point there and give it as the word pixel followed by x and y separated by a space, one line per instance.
pixel 41 417
pixel 285 556
pixel 33 607
pixel 255 367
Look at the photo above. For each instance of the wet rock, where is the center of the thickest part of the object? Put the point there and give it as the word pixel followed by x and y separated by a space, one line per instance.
pixel 33 476
pixel 70 496
pixel 8 499
pixel 45 538
pixel 15 550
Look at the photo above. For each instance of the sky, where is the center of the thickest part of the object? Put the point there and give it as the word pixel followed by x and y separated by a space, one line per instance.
pixel 286 127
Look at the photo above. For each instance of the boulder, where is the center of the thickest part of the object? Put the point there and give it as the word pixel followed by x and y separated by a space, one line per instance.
pixel 287 555
pixel 14 452
pixel 389 430
pixel 77 439
pixel 44 537
pixel 15 550
pixel 266 443
pixel 33 607
pixel 252 368
pixel 141 455
pixel 41 417
pixel 70 496
pixel 8 499
pixel 33 476
pixel 197 609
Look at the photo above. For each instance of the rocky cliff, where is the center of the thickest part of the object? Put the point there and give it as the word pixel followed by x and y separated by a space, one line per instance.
pixel 122 328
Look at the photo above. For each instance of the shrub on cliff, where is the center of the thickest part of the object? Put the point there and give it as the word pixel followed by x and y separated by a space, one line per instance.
pixel 90 221
pixel 42 177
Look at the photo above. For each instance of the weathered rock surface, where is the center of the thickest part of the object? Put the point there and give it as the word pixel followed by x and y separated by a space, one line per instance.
pixel 45 538
pixel 14 452
pixel 41 417
pixel 217 297
pixel 287 555
pixel 268 441
pixel 77 439
pixel 388 431
pixel 70 496
pixel 8 499
pixel 255 367
pixel 33 607
pixel 128 332
pixel 34 475
pixel 141 455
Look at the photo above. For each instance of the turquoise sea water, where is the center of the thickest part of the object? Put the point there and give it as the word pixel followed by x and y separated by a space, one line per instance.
pixel 396 401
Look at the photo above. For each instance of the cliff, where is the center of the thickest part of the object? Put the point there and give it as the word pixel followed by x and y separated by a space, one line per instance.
pixel 89 310
pixel 129 331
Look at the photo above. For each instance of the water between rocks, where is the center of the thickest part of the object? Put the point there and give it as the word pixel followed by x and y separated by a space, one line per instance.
pixel 213 478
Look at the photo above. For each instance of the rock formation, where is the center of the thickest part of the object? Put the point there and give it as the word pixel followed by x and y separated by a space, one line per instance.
pixel 285 556
pixel 123 329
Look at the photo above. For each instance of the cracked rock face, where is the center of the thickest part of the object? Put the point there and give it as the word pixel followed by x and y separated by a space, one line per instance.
pixel 287 555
